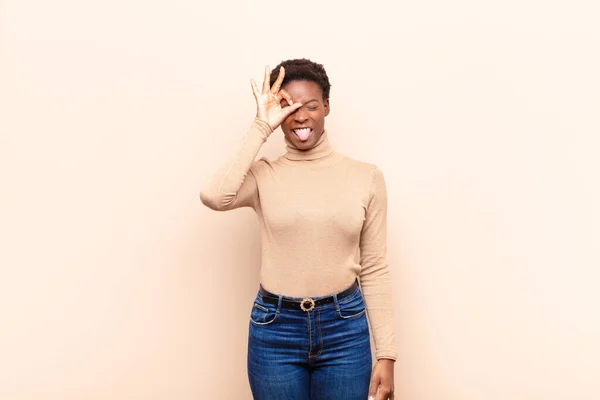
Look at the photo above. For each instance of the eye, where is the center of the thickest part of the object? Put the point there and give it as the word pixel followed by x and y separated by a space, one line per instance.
pixel 312 108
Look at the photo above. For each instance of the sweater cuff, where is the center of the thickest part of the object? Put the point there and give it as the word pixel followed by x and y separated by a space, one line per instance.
pixel 263 127
pixel 385 354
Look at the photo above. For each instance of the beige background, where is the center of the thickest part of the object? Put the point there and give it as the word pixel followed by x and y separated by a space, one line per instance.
pixel 482 115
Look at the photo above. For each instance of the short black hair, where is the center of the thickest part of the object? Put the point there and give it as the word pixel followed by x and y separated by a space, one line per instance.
pixel 302 69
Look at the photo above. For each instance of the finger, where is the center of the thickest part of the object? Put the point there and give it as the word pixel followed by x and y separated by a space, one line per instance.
pixel 279 80
pixel 290 109
pixel 266 82
pixel 373 389
pixel 383 394
pixel 279 98
pixel 254 89
pixel 286 96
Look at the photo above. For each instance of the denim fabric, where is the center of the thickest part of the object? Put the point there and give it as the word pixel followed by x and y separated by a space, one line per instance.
pixel 321 354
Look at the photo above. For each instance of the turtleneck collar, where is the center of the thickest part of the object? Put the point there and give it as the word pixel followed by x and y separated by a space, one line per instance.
pixel 321 149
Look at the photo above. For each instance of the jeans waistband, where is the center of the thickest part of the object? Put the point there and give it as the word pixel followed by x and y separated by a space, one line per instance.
pixel 307 303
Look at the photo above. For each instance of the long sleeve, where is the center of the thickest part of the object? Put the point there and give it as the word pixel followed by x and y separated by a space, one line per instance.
pixel 375 278
pixel 234 185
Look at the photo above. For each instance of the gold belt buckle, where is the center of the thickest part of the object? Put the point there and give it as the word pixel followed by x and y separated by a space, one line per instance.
pixel 311 301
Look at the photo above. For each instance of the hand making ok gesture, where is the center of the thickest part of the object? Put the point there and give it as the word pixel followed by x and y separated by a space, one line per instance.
pixel 268 103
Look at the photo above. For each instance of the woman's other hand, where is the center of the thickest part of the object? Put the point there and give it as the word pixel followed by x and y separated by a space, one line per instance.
pixel 268 102
pixel 382 378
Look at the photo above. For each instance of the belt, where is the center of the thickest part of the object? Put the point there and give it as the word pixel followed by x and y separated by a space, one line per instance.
pixel 307 303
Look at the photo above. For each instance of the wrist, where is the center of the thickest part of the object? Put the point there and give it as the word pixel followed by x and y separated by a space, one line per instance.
pixel 265 120
pixel 263 126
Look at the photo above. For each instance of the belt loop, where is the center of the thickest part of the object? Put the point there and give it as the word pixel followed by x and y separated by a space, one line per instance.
pixel 335 301
pixel 279 296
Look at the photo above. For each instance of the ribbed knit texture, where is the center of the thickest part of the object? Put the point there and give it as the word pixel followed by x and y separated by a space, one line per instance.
pixel 323 219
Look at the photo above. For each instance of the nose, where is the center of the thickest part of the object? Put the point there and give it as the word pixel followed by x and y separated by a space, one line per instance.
pixel 300 115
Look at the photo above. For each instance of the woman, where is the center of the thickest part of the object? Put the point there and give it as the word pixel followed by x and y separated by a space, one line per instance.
pixel 323 227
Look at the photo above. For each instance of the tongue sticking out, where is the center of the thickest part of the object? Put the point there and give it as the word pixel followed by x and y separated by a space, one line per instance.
pixel 303 134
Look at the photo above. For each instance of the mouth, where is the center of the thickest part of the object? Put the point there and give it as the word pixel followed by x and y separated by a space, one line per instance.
pixel 302 133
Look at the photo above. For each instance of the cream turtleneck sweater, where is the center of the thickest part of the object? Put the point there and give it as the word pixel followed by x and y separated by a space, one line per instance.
pixel 323 223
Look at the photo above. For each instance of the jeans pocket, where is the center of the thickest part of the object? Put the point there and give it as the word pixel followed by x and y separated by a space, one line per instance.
pixel 352 307
pixel 263 313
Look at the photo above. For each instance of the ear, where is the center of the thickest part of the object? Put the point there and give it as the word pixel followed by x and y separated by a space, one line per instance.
pixel 326 106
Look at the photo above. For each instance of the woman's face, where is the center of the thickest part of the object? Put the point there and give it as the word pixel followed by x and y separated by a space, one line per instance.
pixel 311 115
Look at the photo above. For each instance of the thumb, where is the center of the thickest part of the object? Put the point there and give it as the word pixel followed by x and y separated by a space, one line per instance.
pixel 288 110
pixel 373 388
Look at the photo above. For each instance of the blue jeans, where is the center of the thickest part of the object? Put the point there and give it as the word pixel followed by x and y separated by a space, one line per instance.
pixel 320 354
